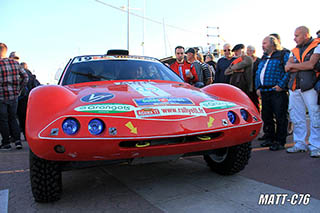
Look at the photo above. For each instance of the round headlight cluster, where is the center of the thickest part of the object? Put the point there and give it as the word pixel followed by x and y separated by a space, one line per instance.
pixel 232 117
pixel 70 126
pixel 96 126
pixel 244 114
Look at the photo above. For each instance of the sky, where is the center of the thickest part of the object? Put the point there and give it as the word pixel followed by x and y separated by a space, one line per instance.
pixel 47 33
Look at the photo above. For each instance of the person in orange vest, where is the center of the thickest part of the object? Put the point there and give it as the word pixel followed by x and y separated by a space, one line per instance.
pixel 184 69
pixel 303 78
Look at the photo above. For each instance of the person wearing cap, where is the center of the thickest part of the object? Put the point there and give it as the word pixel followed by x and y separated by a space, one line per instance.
pixel 24 96
pixel 240 70
pixel 271 84
pixel 14 56
pixel 202 70
pixel 222 64
pixel 183 68
pixel 12 79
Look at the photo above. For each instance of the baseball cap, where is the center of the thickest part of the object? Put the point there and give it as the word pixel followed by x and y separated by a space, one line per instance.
pixel 14 55
pixel 191 50
pixel 237 47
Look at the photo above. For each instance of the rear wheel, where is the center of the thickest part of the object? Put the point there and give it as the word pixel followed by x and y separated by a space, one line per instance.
pixel 231 160
pixel 46 180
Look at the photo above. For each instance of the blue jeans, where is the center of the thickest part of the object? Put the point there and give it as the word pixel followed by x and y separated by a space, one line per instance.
pixel 8 121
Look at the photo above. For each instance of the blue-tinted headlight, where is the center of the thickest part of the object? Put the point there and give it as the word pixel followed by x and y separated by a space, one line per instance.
pixel 244 114
pixel 232 117
pixel 96 126
pixel 70 126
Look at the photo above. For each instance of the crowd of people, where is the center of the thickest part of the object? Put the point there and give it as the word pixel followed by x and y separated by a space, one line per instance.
pixel 287 83
pixel 16 82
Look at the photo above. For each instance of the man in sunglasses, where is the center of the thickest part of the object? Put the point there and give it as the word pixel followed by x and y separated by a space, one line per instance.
pixel 223 64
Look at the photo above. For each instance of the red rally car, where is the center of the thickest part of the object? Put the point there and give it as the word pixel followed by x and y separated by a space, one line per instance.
pixel 121 108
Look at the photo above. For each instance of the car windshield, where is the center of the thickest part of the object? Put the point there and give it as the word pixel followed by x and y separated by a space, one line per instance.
pixel 118 69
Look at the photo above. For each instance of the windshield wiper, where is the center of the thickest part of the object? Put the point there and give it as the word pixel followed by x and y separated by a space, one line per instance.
pixel 92 76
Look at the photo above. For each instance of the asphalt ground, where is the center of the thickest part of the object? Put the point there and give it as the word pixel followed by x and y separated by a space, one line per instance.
pixel 186 185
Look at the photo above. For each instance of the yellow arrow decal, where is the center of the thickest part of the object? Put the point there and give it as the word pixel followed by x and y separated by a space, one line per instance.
pixel 211 119
pixel 132 128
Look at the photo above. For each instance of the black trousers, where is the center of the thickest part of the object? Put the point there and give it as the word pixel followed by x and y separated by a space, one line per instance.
pixel 22 113
pixel 275 105
pixel 8 121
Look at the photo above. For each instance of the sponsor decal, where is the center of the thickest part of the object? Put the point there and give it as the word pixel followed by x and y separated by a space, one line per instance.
pixel 105 108
pixel 97 97
pixel 215 104
pixel 148 90
pixel 113 131
pixel 162 101
pixel 168 111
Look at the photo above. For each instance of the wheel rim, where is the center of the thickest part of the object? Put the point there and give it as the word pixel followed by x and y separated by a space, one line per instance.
pixel 220 155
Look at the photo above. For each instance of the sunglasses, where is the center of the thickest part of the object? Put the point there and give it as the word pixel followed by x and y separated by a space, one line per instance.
pixel 226 50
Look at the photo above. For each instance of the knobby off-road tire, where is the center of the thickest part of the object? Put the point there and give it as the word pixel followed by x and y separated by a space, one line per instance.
pixel 231 160
pixel 46 180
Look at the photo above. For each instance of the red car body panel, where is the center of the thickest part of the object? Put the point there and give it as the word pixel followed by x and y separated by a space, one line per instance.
pixel 131 113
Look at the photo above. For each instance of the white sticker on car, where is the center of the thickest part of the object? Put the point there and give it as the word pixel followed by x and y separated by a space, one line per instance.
pixel 170 111
pixel 149 90
pixel 105 108
pixel 215 104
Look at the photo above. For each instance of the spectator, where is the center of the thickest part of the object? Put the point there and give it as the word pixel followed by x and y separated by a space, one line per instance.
pixel 302 92
pixel 202 70
pixel 223 64
pixel 209 59
pixel 184 69
pixel 240 70
pixel 207 76
pixel 251 51
pixel 12 79
pixel 318 33
pixel 284 50
pixel 212 64
pixel 24 96
pixel 14 56
pixel 271 82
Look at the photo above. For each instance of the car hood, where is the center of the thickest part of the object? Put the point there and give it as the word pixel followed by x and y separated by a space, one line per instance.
pixel 145 99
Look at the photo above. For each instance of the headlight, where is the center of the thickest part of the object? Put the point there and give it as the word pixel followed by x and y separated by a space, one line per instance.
pixel 244 114
pixel 96 126
pixel 70 126
pixel 232 117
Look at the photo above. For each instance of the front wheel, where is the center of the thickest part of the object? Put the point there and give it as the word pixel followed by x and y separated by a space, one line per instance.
pixel 46 179
pixel 230 160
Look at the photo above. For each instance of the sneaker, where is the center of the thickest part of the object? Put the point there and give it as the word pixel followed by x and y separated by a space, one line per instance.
pixel 18 145
pixel 315 153
pixel 6 147
pixel 295 149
